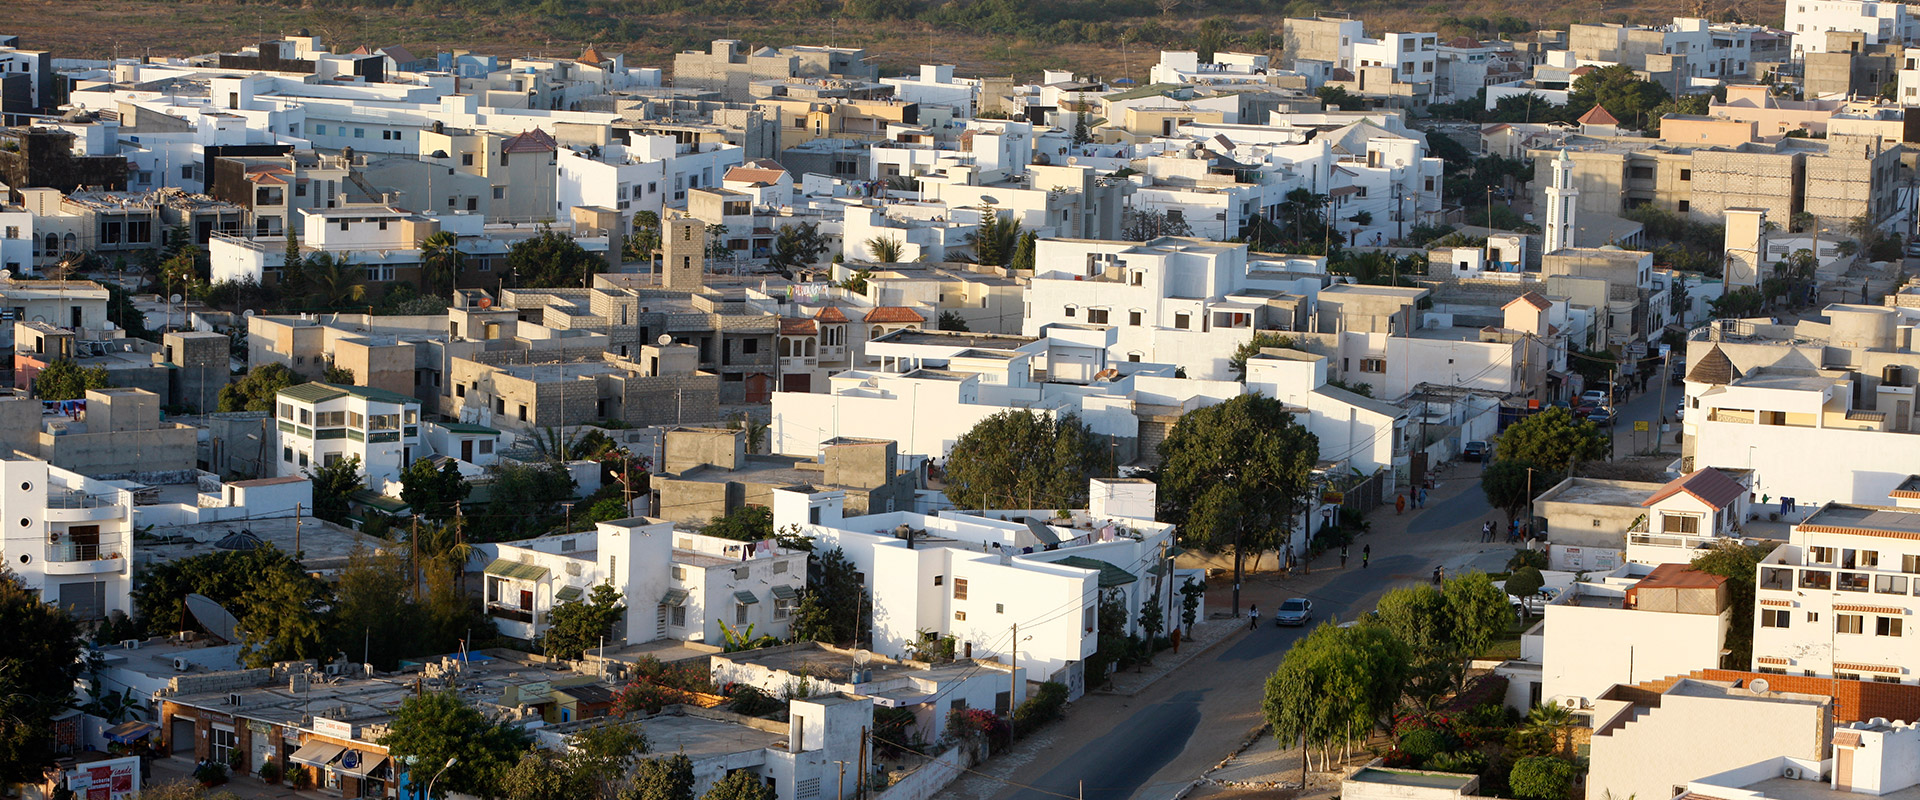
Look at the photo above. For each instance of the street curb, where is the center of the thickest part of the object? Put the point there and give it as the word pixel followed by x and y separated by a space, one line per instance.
pixel 1195 653
pixel 1253 737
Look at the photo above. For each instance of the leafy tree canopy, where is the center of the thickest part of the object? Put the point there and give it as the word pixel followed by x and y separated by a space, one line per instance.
pixel 743 523
pixel 438 727
pixel 433 492
pixel 63 379
pixel 551 259
pixel 1506 484
pixel 669 778
pixel 1552 440
pixel 1334 685
pixel 39 666
pixel 1020 459
pixel 740 785
pixel 1735 562
pixel 576 626
pixel 333 484
pixel 255 391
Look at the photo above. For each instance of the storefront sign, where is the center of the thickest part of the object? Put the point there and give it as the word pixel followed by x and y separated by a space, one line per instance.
pixel 112 779
pixel 335 729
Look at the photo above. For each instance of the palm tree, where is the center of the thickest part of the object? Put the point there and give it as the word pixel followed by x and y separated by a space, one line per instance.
pixel 553 444
pixel 997 239
pixel 885 249
pixel 440 261
pixel 1553 720
pixel 334 280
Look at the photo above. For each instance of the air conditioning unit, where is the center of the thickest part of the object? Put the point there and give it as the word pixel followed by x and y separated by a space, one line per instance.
pixel 233 698
pixel 1571 702
pixel 181 664
pixel 1790 773
pixel 333 669
pixel 130 644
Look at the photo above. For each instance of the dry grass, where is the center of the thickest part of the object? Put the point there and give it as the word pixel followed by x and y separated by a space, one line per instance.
pixel 103 28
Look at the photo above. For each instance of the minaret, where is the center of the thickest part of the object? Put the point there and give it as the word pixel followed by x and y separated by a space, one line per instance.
pixel 1562 200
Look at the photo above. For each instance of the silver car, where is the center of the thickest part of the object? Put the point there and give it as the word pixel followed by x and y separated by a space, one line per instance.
pixel 1294 611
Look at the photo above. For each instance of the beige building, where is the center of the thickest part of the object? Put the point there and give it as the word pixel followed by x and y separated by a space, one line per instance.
pixel 708 473
pixel 517 174
pixel 661 385
pixel 120 435
pixel 728 67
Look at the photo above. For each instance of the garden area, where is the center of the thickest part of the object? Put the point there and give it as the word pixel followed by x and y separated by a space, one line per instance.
pixel 1527 758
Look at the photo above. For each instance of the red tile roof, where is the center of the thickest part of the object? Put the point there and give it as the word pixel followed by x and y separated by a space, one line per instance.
pixel 1712 486
pixel 1598 116
pixel 1579 71
pixel 1679 576
pixel 533 141
pixel 798 327
pixel 756 176
pixel 831 314
pixel 591 56
pixel 894 314
pixel 1533 299
pixel 400 55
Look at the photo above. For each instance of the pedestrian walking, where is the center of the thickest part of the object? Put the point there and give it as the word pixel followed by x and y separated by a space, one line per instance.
pixel 1366 554
pixel 1400 505
pixel 1253 618
pixel 1439 575
pixel 1486 531
pixel 1423 498
pixel 1343 556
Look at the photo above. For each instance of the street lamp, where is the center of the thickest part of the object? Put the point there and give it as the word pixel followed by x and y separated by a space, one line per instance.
pixel 436 776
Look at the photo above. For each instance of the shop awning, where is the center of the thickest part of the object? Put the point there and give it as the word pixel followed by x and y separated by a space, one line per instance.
pixel 131 731
pixel 363 762
pixel 674 597
pixel 317 754
pixel 745 598
pixel 785 592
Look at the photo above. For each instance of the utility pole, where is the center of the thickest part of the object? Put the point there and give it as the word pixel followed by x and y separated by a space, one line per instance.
pixel 1013 679
pixel 296 531
pixel 840 790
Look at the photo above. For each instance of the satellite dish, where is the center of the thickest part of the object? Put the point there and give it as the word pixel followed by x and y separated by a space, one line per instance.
pixel 664 340
pixel 217 620
pixel 174 299
pixel 247 313
pixel 1759 685
pixel 6 274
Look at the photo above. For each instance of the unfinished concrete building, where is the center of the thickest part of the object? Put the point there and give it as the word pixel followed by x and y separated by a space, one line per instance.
pixel 661 386
pixel 708 472
pixel 730 69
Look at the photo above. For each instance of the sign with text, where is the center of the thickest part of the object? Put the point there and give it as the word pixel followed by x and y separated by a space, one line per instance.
pixel 113 779
pixel 333 728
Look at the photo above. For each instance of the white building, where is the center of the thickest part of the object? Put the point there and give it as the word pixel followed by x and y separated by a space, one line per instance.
pixel 989 581
pixel 1811 20
pixel 676 585
pixel 936 86
pixel 70 538
pixel 1225 70
pixel 1667 736
pixel 321 423
pixel 931 690
pixel 648 173
pixel 1836 599
pixel 17 243
pixel 1412 56
pixel 1629 625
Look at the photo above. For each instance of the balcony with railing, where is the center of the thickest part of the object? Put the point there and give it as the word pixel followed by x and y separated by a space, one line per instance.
pixel 73 505
pixel 510 612
pixel 86 554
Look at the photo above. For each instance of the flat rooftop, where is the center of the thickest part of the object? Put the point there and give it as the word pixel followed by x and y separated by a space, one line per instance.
pixel 977 341
pixel 837 665
pixel 1838 518
pixel 325 545
pixel 775 470
pixel 1785 789
pixel 699 737
pixel 1425 780
pixel 1787 380
pixel 1589 491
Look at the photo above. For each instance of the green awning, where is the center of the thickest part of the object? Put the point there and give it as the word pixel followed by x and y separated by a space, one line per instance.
pixel 569 593
pixel 1110 575
pixel 745 598
pixel 785 592
pixel 516 570
pixel 674 597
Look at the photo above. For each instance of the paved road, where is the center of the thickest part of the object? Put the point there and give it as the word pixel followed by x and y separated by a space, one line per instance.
pixel 1154 744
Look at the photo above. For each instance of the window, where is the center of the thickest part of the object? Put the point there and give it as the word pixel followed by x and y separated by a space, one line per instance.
pixel 1890 584
pixel 1774 618
pixel 1374 365
pixel 740 613
pixel 749 346
pixel 960 616
pixel 303 459
pixel 939 580
pixel 1848 623
pixel 1686 174
pixel 1887 626
pixel 1820 555
pixel 499 192
pixel 1910 565
pixel 999 608
pixel 319 130
pixel 223 743
pixel 1684 206
pixel 306 417
pixel 1097 316
pixel 1087 618
pixel 959 588
pixel 1133 318
pixel 1869 559
pixel 359 133
pixel 678 618
pixel 1852 582
pixel 1813 616
pixel 286 454
pixel 1816 579
pixel 1887 678
pixel 1181 320
pixel 1070 310
pixel 782 609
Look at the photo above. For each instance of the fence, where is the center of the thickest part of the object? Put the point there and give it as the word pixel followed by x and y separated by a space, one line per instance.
pixel 932 776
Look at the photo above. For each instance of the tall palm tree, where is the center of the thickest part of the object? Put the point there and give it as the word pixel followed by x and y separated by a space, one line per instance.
pixel 334 280
pixel 885 249
pixel 440 262
pixel 553 444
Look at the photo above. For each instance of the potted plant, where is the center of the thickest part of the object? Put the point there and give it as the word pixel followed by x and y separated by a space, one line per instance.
pixel 299 778
pixel 270 772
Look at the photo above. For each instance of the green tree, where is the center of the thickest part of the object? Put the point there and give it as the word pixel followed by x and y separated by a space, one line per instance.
pixel 1555 721
pixel 544 775
pixel 1082 132
pixel 798 246
pixel 441 262
pixel 1444 628
pixel 1620 91
pixel 1339 98
pixel 717 249
pixel 281 620
pixel 1252 347
pixel 1694 104
pixel 531 492
pixel 952 321
pixel 884 250
pixel 223 576
pixel 433 492
pixel 374 616
pixel 63 379
pixel 256 390
pixel 333 373
pixel 605 752
pixel 551 259
pixel 439 729
pixel 333 282
pixel 1020 459
pixel 576 626
pixel 1542 778
pixel 1552 440
pixel 332 485
pixel 1735 562
pixel 39 668
pixel 1507 484
pixel 1523 583
pixel 1334 686
pixel 1023 256
pixel 1234 477
pixel 742 524
pixel 669 778
pixel 835 605
pixel 740 785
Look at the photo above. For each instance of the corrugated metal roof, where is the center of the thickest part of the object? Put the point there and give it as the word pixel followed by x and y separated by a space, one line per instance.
pixel 516 570
pixel 568 593
pixel 746 598
pixel 313 392
pixel 1110 574
pixel 785 592
pixel 673 597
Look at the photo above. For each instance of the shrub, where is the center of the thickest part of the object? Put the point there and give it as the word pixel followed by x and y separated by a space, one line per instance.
pixel 299 778
pixel 1466 761
pixel 1488 690
pixel 1423 744
pixel 1527 558
pixel 1044 705
pixel 976 723
pixel 270 772
pixel 750 701
pixel 1542 778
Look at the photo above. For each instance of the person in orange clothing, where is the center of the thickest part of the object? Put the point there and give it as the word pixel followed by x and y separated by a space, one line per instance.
pixel 1400 505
